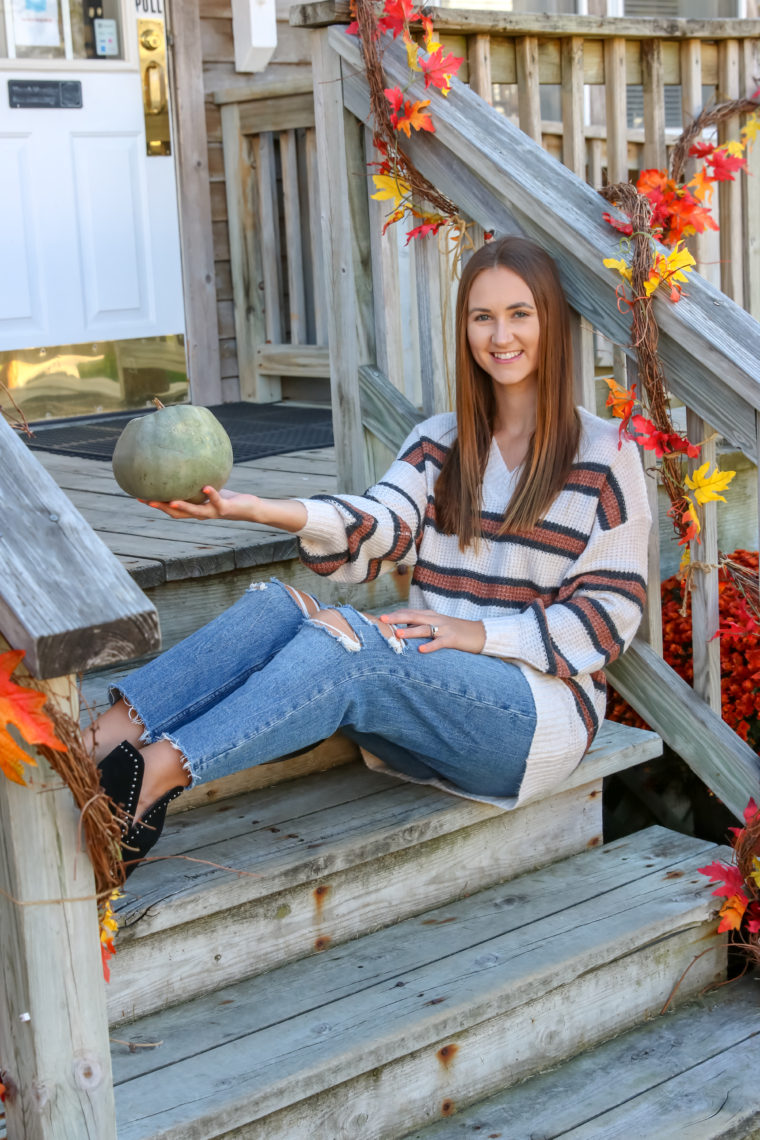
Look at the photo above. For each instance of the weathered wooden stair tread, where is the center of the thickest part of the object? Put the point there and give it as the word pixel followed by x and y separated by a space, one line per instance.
pixel 450 999
pixel 689 1075
pixel 268 833
pixel 327 858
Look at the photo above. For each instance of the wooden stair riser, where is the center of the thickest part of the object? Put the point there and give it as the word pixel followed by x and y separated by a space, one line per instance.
pixel 466 1066
pixel 253 937
pixel 187 604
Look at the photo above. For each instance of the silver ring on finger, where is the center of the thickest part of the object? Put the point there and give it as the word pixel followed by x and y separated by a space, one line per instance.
pixel 434 630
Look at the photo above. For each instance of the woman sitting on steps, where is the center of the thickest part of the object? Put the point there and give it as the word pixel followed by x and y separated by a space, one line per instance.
pixel 526 522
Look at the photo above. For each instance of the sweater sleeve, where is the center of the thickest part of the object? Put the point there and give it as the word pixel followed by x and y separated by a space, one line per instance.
pixel 599 604
pixel 350 537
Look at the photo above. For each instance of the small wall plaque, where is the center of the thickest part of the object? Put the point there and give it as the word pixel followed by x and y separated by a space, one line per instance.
pixel 47 93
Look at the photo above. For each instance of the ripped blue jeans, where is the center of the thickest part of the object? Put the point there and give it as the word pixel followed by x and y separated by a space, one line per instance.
pixel 264 680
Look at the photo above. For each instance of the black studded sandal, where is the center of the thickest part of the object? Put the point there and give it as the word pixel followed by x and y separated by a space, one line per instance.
pixel 121 777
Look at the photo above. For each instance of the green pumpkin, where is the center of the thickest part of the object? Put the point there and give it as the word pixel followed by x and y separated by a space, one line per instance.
pixel 172 454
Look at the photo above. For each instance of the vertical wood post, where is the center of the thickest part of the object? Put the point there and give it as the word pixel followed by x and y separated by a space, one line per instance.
pixel 749 71
pixel 528 89
pixel 655 150
pixel 433 340
pixel 389 341
pixel 54 1043
pixel 334 197
pixel 705 617
pixel 479 63
pixel 315 235
pixel 691 105
pixel 573 133
pixel 294 252
pixel 617 109
pixel 651 622
pixel 730 193
pixel 245 258
pixel 194 198
pixel 583 361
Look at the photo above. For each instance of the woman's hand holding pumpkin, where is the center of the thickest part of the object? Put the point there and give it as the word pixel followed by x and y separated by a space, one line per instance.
pixel 286 514
pixel 450 633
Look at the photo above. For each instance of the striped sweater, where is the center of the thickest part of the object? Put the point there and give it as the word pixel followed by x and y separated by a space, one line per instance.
pixel 561 600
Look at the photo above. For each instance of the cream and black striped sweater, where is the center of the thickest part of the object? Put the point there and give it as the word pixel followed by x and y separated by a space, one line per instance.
pixel 561 600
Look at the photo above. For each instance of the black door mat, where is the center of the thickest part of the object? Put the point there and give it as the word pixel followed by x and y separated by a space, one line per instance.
pixel 256 431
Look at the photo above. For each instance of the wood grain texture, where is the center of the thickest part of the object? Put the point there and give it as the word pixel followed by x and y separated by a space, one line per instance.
pixel 326 12
pixel 666 1077
pixel 338 253
pixel 52 1002
pixel 64 599
pixel 293 360
pixel 573 137
pixel 194 200
pixel 528 96
pixel 277 114
pixel 749 71
pixel 615 97
pixel 653 82
pixel 484 997
pixel 705 615
pixel 479 60
pixel 386 412
pixel 730 193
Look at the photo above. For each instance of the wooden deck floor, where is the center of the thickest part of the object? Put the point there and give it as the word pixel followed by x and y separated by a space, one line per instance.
pixel 156 549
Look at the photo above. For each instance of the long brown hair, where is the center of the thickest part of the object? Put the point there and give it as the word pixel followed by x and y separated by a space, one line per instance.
pixel 554 443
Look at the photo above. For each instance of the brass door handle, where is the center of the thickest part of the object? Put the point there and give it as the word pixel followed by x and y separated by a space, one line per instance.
pixel 154 89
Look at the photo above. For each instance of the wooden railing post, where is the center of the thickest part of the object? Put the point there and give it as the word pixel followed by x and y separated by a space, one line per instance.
pixel 338 238
pixel 54 1046
pixel 705 617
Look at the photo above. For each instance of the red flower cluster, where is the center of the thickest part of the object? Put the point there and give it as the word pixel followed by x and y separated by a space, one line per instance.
pixel 739 653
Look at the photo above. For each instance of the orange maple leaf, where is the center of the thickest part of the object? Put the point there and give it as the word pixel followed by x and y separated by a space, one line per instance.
pixel 414 115
pixel 22 708
pixel 621 400
pixel 732 912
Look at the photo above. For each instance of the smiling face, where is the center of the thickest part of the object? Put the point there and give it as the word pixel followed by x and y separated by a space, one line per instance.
pixel 502 327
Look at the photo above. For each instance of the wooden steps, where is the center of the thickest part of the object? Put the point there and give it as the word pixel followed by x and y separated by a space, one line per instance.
pixel 391 1030
pixel 292 869
pixel 690 1075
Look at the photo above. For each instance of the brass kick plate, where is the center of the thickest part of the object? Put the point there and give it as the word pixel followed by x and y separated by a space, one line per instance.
pixel 151 37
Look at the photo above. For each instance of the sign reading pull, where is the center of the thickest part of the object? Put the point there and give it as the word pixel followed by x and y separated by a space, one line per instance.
pixel 151 36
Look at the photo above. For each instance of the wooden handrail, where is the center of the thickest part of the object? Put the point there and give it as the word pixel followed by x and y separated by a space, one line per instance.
pixel 502 179
pixel 65 599
pixel 473 21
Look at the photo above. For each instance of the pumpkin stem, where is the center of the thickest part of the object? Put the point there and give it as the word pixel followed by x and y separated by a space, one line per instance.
pixel 158 403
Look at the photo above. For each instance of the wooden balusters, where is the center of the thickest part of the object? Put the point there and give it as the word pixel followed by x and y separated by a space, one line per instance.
pixel 583 361
pixel 748 80
pixel 528 90
pixel 617 110
pixel 730 193
pixel 652 78
pixel 705 618
pixel 479 62
pixel 315 237
pixel 691 105
pixel 293 247
pixel 573 134
pixel 338 239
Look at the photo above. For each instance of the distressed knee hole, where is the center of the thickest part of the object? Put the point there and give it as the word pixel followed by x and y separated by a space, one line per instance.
pixel 388 632
pixel 305 602
pixel 336 626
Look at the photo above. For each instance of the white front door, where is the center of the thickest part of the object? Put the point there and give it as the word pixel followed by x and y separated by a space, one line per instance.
pixel 88 220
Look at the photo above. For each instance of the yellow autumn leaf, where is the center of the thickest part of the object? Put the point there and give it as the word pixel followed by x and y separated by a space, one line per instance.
pixel 756 873
pixel 411 53
pixel 679 262
pixel 706 487
pixel 733 146
pixel 750 129
pixel 619 264
pixel 390 189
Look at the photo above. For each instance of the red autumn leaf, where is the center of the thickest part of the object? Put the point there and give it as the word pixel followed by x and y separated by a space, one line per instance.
pixel 395 97
pixel 22 708
pixel 648 436
pixel 352 29
pixel 107 951
pixel 679 445
pixel 439 69
pixel 622 227
pixel 396 14
pixel 702 150
pixel 423 230
pixel 3 1091
pixel 414 116
pixel 730 878
pixel 724 165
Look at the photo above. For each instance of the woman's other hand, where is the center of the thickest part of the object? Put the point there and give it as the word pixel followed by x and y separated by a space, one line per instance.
pixel 451 633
